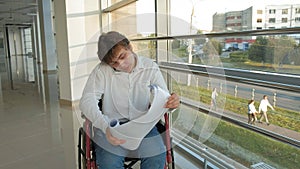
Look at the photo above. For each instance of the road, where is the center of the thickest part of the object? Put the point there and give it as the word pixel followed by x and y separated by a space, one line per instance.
pixel 285 99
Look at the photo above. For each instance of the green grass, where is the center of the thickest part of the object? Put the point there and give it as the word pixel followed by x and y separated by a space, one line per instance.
pixel 271 150
pixel 242 145
pixel 281 117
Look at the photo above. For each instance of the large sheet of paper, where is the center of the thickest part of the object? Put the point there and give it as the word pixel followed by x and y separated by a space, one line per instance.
pixel 135 130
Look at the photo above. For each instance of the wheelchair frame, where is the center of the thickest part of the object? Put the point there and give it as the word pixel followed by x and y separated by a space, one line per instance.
pixel 86 149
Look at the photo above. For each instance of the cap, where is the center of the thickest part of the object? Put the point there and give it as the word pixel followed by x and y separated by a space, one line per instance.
pixel 107 41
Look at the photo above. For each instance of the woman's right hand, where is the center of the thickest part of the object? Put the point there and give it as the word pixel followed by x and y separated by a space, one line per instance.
pixel 113 140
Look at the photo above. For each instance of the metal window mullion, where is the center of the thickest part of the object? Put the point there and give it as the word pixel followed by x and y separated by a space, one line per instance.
pixel 118 5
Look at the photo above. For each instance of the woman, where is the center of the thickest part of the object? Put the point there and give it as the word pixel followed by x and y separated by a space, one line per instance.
pixel 251 112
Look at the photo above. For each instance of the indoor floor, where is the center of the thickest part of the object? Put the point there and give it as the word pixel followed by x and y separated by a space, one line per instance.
pixel 36 132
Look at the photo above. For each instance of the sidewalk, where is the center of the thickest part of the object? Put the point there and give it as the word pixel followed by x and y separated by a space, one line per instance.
pixel 276 129
pixel 244 119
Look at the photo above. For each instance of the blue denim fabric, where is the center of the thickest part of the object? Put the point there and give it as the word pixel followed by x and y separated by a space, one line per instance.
pixel 151 151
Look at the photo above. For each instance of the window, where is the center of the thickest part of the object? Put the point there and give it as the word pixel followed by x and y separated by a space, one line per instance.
pixel 297 10
pixel 284 20
pixel 284 11
pixel 259 20
pixel 272 11
pixel 259 11
pixel 271 20
pixel 230 17
pixel 206 50
pixel 121 18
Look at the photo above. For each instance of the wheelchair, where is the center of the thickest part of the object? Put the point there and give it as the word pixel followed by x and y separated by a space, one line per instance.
pixel 86 146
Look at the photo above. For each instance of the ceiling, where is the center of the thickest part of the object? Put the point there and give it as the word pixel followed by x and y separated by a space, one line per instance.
pixel 17 11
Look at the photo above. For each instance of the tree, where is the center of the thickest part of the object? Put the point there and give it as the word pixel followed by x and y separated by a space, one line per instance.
pixel 257 50
pixel 279 49
pixel 275 50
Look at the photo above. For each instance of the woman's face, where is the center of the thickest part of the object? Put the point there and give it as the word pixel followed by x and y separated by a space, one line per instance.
pixel 123 59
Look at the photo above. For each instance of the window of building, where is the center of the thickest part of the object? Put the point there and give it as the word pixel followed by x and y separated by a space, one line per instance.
pixel 259 11
pixel 258 28
pixel 284 11
pixel 297 10
pixel 297 19
pixel 259 20
pixel 230 17
pixel 284 20
pixel 272 11
pixel 271 20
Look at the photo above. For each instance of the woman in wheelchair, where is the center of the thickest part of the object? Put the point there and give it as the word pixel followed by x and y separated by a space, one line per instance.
pixel 121 81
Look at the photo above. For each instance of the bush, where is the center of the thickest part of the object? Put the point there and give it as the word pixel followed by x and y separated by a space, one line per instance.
pixel 238 56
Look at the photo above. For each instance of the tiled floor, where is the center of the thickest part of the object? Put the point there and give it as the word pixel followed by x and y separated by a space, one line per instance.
pixel 36 132
pixel 29 135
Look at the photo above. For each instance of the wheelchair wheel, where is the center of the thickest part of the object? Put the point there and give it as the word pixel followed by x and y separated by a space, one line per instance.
pixel 82 161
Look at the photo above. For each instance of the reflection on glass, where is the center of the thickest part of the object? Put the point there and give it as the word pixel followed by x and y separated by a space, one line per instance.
pixel 250 15
pixel 226 38
pixel 277 53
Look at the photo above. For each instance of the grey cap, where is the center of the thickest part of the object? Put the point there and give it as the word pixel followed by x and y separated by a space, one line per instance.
pixel 107 41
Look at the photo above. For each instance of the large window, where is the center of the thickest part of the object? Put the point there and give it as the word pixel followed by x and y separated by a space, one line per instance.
pixel 195 43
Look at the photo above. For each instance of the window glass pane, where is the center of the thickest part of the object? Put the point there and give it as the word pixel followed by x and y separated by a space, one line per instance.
pixel 285 11
pixel 271 20
pixel 259 20
pixel 136 19
pixel 245 146
pixel 236 49
pixel 277 53
pixel 260 11
pixel 145 48
pixel 284 20
pixel 82 6
pixel 206 16
pixel 265 53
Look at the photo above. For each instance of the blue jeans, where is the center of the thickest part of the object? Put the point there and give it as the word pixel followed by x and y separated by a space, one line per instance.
pixel 151 152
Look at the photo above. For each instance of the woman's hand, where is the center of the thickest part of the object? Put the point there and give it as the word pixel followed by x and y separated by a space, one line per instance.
pixel 173 101
pixel 113 140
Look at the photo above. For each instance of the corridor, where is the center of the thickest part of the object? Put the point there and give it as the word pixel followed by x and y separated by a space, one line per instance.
pixel 30 131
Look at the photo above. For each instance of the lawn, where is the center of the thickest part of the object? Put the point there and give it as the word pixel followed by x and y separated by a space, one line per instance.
pixel 281 117
pixel 240 144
